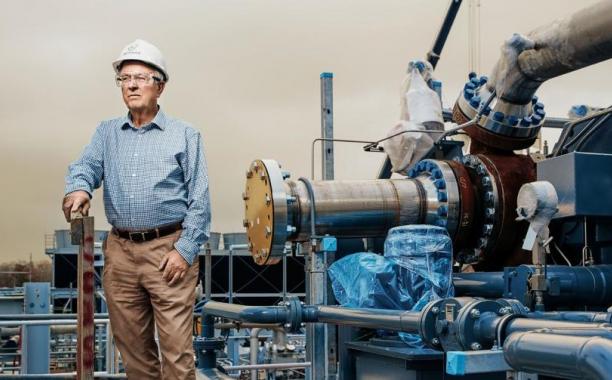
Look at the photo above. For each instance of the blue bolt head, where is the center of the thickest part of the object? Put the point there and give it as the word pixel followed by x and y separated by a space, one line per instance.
pixel 513 120
pixel 498 116
pixel 538 105
pixel 468 93
pixel 526 121
pixel 419 65
pixel 534 99
pixel 475 101
pixel 580 110
pixel 486 181
pixel 471 75
pixel 412 173
pixel 440 184
pixel 536 119
pixel 540 112
pixel 436 173
pixel 483 80
pixel 469 85
pixel 475 80
pixel 443 210
pixel 442 197
pixel 486 111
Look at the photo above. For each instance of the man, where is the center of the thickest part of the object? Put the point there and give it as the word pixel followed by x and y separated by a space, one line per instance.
pixel 156 198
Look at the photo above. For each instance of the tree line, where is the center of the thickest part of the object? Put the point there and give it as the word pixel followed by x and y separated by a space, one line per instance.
pixel 15 273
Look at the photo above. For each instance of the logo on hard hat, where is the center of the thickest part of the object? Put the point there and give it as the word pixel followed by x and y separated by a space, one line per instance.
pixel 132 48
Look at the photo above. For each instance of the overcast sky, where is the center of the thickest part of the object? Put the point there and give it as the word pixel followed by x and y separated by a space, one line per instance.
pixel 245 73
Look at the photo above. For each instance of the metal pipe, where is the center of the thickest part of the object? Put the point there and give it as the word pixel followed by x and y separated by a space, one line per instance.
pixel 602 332
pixel 254 314
pixel 434 54
pixel 492 328
pixel 479 284
pixel 66 375
pixel 244 325
pixel 327 126
pixel 268 366
pixel 580 40
pixel 254 350
pixel 397 320
pixel 559 355
pixel 48 322
pixel 576 285
pixel 279 338
pixel 576 316
pixel 364 208
pixel 529 324
pixel 207 358
pixel 32 317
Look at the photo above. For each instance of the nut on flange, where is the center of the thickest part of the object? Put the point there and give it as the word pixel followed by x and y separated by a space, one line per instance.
pixel 265 210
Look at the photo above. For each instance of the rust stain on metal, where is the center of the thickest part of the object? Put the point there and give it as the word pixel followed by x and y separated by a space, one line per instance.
pixel 85 300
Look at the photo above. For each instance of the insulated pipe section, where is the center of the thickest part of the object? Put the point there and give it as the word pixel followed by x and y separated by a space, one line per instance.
pixel 580 40
pixel 278 210
pixel 355 208
pixel 559 355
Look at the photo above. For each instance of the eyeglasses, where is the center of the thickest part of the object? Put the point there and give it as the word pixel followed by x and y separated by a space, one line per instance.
pixel 140 79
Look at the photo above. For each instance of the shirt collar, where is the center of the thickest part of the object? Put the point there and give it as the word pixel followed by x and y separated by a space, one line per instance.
pixel 158 121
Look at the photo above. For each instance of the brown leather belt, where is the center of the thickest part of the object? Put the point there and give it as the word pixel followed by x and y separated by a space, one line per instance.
pixel 147 235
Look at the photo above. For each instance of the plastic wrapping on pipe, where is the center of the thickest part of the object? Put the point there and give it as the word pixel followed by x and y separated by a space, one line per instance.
pixel 415 269
pixel 421 109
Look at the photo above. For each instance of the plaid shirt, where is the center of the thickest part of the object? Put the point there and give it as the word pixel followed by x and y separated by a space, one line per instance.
pixel 153 176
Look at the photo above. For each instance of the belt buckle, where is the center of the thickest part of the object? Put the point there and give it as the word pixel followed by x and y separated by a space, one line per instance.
pixel 141 234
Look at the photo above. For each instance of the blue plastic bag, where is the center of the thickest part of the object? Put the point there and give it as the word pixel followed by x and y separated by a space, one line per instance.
pixel 416 268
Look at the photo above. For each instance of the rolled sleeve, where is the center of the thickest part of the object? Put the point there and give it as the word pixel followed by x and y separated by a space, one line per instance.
pixel 196 225
pixel 87 172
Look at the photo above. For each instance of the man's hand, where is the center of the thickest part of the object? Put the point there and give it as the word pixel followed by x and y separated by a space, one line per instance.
pixel 75 201
pixel 174 266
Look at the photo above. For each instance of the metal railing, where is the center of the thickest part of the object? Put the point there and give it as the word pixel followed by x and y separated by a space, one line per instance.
pixel 111 362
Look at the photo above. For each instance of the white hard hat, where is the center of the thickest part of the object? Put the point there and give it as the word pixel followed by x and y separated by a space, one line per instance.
pixel 141 50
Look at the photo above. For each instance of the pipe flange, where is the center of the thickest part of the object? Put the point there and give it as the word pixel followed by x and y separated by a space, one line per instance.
pixel 445 328
pixel 520 123
pixel 500 330
pixel 443 198
pixel 489 195
pixel 511 306
pixel 467 322
pixel 266 212
pixel 294 314
pixel 427 324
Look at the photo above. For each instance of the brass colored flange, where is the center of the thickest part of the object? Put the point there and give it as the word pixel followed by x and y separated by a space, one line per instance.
pixel 265 210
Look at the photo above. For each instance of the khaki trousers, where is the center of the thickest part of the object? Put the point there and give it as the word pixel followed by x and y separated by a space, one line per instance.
pixel 139 299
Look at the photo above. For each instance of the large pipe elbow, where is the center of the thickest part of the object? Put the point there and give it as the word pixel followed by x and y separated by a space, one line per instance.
pixel 566 45
pixel 580 357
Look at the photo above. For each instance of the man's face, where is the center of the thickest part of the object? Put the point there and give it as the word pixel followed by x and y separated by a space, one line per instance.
pixel 139 94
